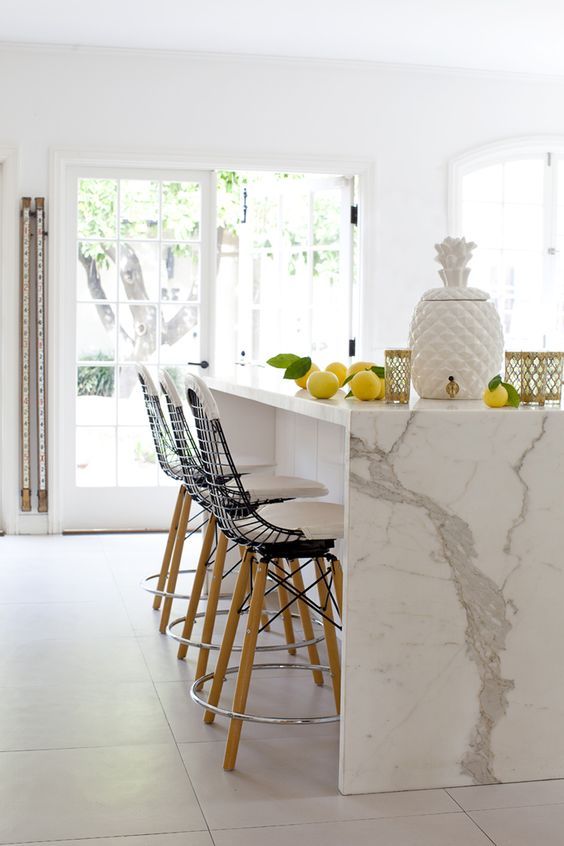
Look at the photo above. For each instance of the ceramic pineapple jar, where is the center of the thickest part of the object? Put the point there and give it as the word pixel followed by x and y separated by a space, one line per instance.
pixel 455 330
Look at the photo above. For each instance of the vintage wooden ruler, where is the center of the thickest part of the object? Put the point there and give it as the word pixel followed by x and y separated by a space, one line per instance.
pixel 25 353
pixel 41 376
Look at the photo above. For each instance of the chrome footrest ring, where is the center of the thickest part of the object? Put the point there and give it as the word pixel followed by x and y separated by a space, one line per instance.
pixel 144 585
pixel 259 718
pixel 282 647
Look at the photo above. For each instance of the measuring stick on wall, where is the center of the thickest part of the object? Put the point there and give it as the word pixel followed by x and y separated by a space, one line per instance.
pixel 41 353
pixel 25 343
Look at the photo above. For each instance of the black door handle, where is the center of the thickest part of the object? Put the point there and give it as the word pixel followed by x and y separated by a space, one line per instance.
pixel 202 363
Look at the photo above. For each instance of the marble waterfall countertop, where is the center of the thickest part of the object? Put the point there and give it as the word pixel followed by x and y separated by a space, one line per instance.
pixel 453 649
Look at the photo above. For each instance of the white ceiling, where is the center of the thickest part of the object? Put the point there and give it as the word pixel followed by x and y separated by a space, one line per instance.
pixel 503 35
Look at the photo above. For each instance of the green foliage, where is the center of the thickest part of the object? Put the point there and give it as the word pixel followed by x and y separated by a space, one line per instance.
pixel 283 360
pixel 298 368
pixel 96 381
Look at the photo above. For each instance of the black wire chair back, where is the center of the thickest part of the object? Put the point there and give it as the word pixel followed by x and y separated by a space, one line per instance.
pixel 185 443
pixel 238 517
pixel 163 439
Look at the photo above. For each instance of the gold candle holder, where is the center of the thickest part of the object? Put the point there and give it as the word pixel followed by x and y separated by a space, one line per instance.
pixel 533 379
pixel 553 362
pixel 513 369
pixel 398 375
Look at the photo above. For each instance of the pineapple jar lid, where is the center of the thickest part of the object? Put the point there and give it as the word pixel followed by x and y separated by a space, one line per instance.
pixel 455 294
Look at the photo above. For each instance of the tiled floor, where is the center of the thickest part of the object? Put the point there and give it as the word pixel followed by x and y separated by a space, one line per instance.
pixel 98 739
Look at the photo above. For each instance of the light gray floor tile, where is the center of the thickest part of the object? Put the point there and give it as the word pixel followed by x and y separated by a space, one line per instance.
pixel 509 795
pixel 432 830
pixel 72 662
pixel 289 780
pixel 291 695
pixel 65 794
pixel 541 824
pixel 22 623
pixel 57 579
pixel 188 838
pixel 67 716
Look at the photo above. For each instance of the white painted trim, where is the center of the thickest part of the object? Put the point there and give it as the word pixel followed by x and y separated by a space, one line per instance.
pixel 489 154
pixel 9 339
pixel 367 65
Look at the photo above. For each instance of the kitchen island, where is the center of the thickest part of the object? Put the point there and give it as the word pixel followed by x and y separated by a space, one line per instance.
pixel 453 639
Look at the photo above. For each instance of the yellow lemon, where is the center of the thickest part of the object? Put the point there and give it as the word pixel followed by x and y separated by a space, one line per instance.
pixel 323 385
pixel 302 381
pixel 382 394
pixel 340 371
pixel 496 398
pixel 365 385
pixel 359 365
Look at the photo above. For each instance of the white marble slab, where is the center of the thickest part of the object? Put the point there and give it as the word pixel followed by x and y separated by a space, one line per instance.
pixel 453 651
pixel 454 639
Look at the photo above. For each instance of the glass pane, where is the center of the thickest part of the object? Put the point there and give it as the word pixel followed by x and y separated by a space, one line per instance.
pixel 328 301
pixel 181 211
pixel 95 456
pixel 97 208
pixel 137 461
pixel 482 223
pixel 180 334
pixel 295 217
pixel 139 271
pixel 180 273
pixel 139 208
pixel 524 181
pixel 95 332
pixel 484 185
pixel 138 332
pixel 327 216
pixel 96 272
pixel 130 403
pixel 95 397
pixel 264 216
pixel 522 227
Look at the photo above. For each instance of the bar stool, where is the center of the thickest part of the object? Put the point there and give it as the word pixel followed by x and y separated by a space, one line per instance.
pixel 260 489
pixel 278 533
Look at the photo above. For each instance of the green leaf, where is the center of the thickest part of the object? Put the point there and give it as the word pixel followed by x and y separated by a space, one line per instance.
pixel 379 371
pixel 347 380
pixel 513 397
pixel 298 368
pixel 283 360
pixel 350 393
pixel 494 383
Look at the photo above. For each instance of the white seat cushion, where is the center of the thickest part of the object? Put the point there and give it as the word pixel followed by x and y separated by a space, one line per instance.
pixel 250 464
pixel 264 486
pixel 316 520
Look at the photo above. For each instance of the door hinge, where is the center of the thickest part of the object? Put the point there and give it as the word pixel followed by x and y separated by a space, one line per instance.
pixel 549 159
pixel 354 215
pixel 352 346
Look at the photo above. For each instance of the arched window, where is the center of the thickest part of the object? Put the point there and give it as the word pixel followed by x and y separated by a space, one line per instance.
pixel 509 199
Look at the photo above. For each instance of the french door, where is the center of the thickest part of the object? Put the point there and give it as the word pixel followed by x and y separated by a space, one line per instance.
pixel 141 246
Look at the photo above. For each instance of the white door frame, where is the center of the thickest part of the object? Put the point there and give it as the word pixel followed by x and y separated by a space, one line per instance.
pixel 9 339
pixel 64 159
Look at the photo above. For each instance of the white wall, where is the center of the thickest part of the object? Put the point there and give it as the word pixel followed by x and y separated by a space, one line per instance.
pixel 408 122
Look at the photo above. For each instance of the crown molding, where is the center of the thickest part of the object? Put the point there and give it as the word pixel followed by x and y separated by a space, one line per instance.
pixel 362 65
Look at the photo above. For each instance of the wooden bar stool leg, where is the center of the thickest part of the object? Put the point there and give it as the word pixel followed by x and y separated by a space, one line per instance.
pixel 286 614
pixel 330 633
pixel 198 584
pixel 246 664
pixel 307 625
pixel 211 608
pixel 176 559
pixel 169 546
pixel 338 580
pixel 229 634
